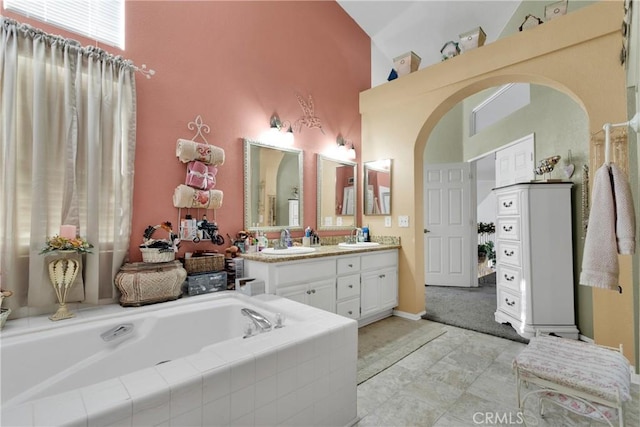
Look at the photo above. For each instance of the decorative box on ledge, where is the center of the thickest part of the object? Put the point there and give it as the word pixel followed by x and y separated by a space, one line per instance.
pixel 143 283
pixel 406 63
pixel 472 39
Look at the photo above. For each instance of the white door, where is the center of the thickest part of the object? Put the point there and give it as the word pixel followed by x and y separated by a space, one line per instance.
pixel 449 225
pixel 514 163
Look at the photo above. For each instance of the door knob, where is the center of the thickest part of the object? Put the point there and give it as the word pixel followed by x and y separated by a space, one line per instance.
pixel 426 231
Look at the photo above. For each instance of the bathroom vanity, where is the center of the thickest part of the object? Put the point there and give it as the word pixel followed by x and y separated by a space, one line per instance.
pixel 361 284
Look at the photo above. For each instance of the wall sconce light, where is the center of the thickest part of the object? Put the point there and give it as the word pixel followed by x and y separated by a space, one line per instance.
pixel 278 126
pixel 345 147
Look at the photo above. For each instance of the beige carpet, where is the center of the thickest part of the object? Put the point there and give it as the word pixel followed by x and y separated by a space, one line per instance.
pixel 383 343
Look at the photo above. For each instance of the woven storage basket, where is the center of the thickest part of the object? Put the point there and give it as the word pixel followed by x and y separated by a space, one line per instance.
pixel 141 283
pixel 154 255
pixel 204 264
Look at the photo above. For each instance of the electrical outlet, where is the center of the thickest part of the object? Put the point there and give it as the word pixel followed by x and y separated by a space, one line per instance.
pixel 339 221
pixel 387 221
pixel 403 221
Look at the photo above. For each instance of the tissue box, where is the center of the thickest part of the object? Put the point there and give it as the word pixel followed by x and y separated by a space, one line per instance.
pixel 406 63
pixel 205 283
pixel 472 39
pixel 250 286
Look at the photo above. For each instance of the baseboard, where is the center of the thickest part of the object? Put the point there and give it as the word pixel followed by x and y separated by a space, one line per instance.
pixel 586 339
pixel 409 316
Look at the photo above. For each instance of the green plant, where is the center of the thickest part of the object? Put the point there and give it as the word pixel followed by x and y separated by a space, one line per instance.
pixel 490 250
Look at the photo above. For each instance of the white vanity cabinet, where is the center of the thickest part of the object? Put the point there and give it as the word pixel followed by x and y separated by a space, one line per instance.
pixel 379 283
pixel 321 294
pixel 362 286
pixel 534 259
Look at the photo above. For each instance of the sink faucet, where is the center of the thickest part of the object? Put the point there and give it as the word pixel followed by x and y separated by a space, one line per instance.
pixel 285 238
pixel 357 234
pixel 262 323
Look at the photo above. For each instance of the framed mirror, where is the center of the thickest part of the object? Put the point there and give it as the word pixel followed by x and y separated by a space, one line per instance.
pixel 272 187
pixel 377 187
pixel 337 194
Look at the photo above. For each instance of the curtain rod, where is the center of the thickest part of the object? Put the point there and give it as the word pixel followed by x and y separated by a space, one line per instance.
pixel 30 31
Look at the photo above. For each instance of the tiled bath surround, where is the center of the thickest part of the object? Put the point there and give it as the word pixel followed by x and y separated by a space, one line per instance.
pixel 304 373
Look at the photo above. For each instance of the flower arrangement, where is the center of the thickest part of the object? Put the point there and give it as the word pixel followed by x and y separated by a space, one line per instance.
pixel 58 243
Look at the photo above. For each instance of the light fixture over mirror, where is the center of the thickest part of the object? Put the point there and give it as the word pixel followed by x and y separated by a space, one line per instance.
pixel 272 187
pixel 280 132
pixel 337 191
pixel 345 148
pixel 377 187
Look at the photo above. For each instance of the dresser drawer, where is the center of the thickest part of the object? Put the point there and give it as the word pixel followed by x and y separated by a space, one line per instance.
pixel 348 286
pixel 508 228
pixel 509 253
pixel 348 264
pixel 508 302
pixel 509 277
pixel 508 203
pixel 350 308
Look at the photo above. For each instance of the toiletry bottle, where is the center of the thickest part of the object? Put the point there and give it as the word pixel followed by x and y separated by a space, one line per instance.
pixel 365 233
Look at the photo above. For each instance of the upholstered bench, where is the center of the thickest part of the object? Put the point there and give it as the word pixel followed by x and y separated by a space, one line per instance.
pixel 586 379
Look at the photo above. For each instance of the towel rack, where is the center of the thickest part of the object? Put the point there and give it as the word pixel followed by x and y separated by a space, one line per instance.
pixel 634 124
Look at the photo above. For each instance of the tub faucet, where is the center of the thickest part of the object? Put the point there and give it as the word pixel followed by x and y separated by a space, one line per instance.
pixel 262 323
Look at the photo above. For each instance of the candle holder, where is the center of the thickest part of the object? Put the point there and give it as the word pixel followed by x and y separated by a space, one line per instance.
pixel 62 273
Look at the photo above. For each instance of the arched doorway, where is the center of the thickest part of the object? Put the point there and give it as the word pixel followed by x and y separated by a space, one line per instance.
pixel 546 118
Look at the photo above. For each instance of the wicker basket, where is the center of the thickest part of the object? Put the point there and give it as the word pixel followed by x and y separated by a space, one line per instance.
pixel 154 255
pixel 204 264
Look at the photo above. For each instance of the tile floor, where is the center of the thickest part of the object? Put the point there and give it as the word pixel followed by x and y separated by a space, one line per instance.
pixel 461 378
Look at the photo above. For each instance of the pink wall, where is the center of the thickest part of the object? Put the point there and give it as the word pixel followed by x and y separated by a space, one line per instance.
pixel 235 63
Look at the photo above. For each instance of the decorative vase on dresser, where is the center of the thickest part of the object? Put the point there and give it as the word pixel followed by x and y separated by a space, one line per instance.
pixel 534 257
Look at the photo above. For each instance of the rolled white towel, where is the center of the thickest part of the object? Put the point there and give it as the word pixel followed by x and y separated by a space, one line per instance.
pixel 187 151
pixel 187 197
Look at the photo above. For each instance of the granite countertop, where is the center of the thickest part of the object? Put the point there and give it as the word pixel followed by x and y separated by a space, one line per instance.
pixel 320 251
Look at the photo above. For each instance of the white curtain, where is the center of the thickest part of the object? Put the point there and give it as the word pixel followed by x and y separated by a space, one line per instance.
pixel 67 129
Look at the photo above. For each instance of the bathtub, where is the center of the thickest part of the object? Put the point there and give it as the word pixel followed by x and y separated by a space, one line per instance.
pixel 183 362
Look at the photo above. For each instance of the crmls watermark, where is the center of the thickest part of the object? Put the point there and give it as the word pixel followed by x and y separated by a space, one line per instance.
pixel 524 418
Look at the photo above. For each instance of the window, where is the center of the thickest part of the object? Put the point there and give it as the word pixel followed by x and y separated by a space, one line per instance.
pixel 101 20
pixel 496 107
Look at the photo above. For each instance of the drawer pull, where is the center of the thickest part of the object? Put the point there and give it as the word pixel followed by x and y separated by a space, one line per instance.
pixel 382 276
pixel 308 292
pixel 313 291
pixel 510 304
pixel 350 265
pixel 507 204
pixel 508 253
pixel 507 229
pixel 351 286
pixel 509 279
pixel 350 312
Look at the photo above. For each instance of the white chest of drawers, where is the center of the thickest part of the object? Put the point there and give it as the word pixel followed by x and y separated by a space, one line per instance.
pixel 534 258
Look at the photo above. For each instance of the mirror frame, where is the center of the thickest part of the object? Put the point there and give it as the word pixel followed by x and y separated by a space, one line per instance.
pixel 373 165
pixel 319 222
pixel 248 143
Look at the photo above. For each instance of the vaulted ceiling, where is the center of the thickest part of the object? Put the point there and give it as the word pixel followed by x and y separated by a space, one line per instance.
pixel 423 26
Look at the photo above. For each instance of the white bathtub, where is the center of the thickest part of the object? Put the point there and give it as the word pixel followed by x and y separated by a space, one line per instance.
pixel 183 362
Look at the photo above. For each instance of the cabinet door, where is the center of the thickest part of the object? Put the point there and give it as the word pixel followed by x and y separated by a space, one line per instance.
pixel 322 295
pixel 388 282
pixel 369 293
pixel 296 293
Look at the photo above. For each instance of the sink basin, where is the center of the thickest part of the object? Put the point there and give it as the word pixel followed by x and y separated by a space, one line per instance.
pixel 358 245
pixel 293 250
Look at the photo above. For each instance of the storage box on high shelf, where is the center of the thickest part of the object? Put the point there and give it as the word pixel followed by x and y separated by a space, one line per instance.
pixel 472 39
pixel 406 63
